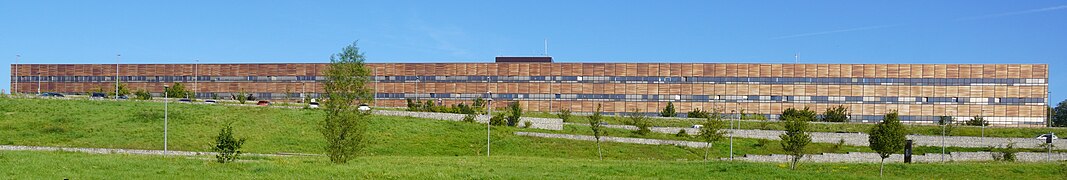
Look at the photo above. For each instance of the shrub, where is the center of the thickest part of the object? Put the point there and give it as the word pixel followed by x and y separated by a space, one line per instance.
pixel 837 146
pixel 227 147
pixel 761 142
pixel 527 124
pixel 697 113
pixel 638 119
pixel 836 114
pixel 1006 154
pixel 977 121
pixel 565 115
pixel 668 111
pixel 143 95
pixel 682 133
pixel 428 106
pixel 498 119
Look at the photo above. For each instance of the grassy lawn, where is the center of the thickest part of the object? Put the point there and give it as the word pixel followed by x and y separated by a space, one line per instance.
pixel 59 165
pixel 959 130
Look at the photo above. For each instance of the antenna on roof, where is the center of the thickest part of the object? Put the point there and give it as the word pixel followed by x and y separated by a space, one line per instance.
pixel 796 58
pixel 546 46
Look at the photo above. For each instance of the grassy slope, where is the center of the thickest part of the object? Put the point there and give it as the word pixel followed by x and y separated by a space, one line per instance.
pixel 852 127
pixel 56 165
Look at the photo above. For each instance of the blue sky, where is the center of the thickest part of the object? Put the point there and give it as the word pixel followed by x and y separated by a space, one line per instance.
pixel 577 31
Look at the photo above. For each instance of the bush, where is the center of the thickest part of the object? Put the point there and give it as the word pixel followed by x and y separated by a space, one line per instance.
pixel 498 119
pixel 697 113
pixel 227 147
pixel 977 121
pixel 836 114
pixel 565 115
pixel 638 119
pixel 761 142
pixel 143 95
pixel 527 124
pixel 1006 154
pixel 837 146
pixel 682 133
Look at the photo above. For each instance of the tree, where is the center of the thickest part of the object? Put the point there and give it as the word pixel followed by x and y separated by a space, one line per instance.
pixel 1059 114
pixel 697 113
pixel 977 121
pixel 948 125
pixel 177 90
pixel 595 125
pixel 668 111
pixel 514 113
pixel 345 87
pixel 143 95
pixel 711 130
pixel 227 147
pixel 638 119
pixel 564 114
pixel 123 90
pixel 836 114
pixel 240 97
pixel 887 137
pixel 796 136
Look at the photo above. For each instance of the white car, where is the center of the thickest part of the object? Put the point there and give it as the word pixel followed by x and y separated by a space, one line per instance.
pixel 697 126
pixel 1043 136
pixel 313 105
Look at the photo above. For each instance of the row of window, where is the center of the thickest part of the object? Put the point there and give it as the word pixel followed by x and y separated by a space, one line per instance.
pixel 578 79
pixel 727 98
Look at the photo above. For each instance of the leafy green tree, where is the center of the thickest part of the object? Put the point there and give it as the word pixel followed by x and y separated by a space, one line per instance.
pixel 946 121
pixel 564 114
pixel 668 111
pixel 796 137
pixel 836 114
pixel 143 95
pixel 412 105
pixel 638 119
pixel 123 90
pixel 595 125
pixel 711 130
pixel 345 87
pixel 887 137
pixel 177 90
pixel 1059 114
pixel 514 113
pixel 226 146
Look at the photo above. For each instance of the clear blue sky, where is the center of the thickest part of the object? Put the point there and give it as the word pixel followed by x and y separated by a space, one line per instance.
pixel 578 31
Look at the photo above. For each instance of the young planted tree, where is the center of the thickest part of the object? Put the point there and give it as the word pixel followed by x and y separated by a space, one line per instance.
pixel 638 119
pixel 711 130
pixel 123 90
pixel 227 147
pixel 177 90
pixel 565 115
pixel 977 121
pixel 796 136
pixel 345 87
pixel 1059 114
pixel 668 111
pixel 836 114
pixel 595 126
pixel 514 113
pixel 887 137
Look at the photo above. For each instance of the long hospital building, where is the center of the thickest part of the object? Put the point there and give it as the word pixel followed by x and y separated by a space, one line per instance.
pixel 1005 94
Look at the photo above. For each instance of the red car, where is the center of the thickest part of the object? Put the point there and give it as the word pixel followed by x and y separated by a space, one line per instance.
pixel 263 103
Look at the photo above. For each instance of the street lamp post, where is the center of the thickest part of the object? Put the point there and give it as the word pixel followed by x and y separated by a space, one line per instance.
pixel 166 112
pixel 488 122
pixel 38 82
pixel 16 87
pixel 732 136
pixel 196 78
pixel 117 57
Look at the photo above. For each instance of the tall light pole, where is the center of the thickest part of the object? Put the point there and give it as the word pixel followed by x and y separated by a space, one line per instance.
pixel 196 77
pixel 166 112
pixel 488 122
pixel 732 136
pixel 38 82
pixel 15 89
pixel 117 56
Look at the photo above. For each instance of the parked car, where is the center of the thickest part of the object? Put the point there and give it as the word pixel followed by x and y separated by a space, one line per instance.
pixel 1043 136
pixel 124 97
pixel 263 103
pixel 697 126
pixel 209 101
pixel 98 96
pixel 50 94
pixel 313 105
pixel 185 100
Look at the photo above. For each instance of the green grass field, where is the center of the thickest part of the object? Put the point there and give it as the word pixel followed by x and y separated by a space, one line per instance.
pixel 400 147
pixel 59 165
pixel 919 129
